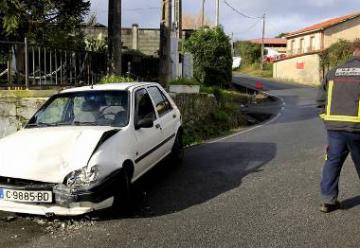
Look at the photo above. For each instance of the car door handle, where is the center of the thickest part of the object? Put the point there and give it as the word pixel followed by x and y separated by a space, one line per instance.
pixel 158 126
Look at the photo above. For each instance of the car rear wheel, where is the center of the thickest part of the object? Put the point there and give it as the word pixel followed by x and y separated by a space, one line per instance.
pixel 177 152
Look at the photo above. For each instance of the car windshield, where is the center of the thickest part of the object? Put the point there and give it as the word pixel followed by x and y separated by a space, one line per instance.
pixel 97 108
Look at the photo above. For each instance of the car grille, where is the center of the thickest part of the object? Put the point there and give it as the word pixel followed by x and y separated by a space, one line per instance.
pixel 26 184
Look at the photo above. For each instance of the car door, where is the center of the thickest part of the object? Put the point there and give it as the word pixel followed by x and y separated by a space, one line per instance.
pixel 167 117
pixel 147 139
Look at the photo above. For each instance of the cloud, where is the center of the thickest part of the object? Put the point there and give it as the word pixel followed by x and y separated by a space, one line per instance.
pixel 282 16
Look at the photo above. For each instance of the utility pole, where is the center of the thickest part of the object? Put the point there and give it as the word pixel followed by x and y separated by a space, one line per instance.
pixel 114 37
pixel 262 43
pixel 165 42
pixel 178 18
pixel 217 13
pixel 202 13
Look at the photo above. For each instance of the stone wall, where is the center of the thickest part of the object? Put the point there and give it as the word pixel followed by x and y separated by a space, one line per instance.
pixel 15 111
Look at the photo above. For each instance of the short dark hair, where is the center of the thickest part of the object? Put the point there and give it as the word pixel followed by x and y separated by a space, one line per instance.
pixel 355 45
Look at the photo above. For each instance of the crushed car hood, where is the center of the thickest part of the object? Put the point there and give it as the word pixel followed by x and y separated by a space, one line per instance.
pixel 48 154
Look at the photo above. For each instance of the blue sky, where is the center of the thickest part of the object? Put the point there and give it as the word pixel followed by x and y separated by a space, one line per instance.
pixel 282 15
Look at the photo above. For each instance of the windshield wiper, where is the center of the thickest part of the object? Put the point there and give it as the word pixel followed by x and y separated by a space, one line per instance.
pixel 43 124
pixel 84 123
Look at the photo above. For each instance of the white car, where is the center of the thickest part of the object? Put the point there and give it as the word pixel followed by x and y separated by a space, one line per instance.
pixel 85 146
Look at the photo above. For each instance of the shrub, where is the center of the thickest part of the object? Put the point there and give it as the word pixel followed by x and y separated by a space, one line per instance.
pixel 211 49
pixel 115 79
pixel 336 54
pixel 250 53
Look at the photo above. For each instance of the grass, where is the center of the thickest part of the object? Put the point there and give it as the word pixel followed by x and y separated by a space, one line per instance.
pixel 254 70
pixel 218 119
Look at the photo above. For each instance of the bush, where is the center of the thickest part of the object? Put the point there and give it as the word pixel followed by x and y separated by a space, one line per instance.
pixel 250 53
pixel 336 54
pixel 115 79
pixel 211 49
pixel 183 81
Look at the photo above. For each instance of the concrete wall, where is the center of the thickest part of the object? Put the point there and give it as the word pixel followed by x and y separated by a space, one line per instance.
pixel 145 40
pixel 307 47
pixel 303 69
pixel 349 30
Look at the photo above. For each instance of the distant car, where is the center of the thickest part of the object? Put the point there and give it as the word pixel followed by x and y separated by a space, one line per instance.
pixel 85 146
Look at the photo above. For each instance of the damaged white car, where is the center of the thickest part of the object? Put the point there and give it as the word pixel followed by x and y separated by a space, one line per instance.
pixel 85 146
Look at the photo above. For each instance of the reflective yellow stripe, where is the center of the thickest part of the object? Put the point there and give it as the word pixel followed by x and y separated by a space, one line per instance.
pixel 329 97
pixel 343 118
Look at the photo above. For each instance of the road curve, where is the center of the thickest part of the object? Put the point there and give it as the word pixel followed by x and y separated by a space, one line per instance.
pixel 258 188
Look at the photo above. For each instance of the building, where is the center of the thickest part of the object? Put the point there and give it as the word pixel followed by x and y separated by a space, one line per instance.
pixel 277 44
pixel 304 45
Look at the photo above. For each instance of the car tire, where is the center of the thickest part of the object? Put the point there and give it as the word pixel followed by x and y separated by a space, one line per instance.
pixel 122 197
pixel 177 151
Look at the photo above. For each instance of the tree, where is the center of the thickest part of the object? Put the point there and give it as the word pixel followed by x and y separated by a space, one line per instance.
pixel 114 37
pixel 281 35
pixel 250 53
pixel 47 22
pixel 211 49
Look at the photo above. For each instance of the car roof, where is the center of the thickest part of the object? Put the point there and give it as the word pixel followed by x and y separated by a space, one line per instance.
pixel 111 86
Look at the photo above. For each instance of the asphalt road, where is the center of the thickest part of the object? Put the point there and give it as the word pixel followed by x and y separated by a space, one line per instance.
pixel 259 188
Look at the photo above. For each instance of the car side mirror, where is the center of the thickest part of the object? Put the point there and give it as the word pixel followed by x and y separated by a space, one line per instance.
pixel 144 123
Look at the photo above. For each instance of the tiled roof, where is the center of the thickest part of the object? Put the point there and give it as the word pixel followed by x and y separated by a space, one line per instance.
pixel 272 41
pixel 325 24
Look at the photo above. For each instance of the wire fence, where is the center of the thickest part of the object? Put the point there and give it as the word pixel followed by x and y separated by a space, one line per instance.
pixel 32 66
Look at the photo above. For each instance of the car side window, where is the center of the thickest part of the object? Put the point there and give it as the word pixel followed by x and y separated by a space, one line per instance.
pixel 161 102
pixel 143 106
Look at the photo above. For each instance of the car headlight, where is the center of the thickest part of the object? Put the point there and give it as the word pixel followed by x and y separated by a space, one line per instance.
pixel 82 177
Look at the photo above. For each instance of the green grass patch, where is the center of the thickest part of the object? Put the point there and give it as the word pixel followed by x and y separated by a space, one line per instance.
pixel 254 70
pixel 26 93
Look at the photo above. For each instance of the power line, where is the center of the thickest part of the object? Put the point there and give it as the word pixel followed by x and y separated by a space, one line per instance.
pixel 239 12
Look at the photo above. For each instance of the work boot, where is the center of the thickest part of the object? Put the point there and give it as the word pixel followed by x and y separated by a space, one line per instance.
pixel 327 208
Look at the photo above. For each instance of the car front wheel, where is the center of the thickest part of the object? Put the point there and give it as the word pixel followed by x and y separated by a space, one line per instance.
pixel 177 151
pixel 122 196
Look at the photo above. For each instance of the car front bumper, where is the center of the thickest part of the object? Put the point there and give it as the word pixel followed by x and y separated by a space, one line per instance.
pixel 66 200
pixel 73 209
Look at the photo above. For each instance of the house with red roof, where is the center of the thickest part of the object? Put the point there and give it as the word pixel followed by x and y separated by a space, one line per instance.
pixel 322 35
pixel 278 44
pixel 304 46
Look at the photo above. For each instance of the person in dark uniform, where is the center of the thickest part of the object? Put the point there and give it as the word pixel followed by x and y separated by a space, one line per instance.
pixel 340 99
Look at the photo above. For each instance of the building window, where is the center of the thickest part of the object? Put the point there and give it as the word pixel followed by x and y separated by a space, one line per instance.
pixel 301 48
pixel 312 43
pixel 292 48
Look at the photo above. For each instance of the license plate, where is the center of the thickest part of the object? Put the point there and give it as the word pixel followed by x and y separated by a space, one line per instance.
pixel 25 196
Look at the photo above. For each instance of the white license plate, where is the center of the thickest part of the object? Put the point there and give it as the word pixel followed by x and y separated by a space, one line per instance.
pixel 25 196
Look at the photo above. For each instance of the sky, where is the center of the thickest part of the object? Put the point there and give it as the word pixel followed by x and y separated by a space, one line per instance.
pixel 281 15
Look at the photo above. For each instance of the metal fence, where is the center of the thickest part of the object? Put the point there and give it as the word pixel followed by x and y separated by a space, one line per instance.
pixel 28 65
pixel 32 66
